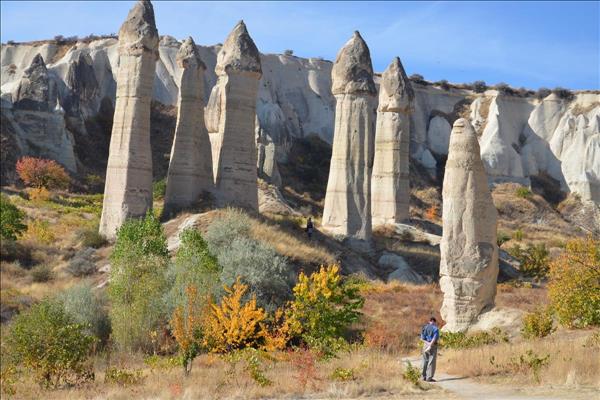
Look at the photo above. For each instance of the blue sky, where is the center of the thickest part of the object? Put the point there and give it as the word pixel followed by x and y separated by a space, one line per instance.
pixel 529 44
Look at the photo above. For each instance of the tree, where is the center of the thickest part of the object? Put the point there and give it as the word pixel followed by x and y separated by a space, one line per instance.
pixel 186 325
pixel 11 219
pixel 479 86
pixel 42 173
pixel 46 340
pixel 574 286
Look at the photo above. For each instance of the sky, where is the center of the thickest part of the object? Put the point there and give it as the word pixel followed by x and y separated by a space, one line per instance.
pixel 530 44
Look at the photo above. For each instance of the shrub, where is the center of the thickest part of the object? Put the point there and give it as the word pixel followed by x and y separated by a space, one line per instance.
pixel 412 374
pixel 443 84
pixel 563 93
pixel 193 265
pixel 518 235
pixel 417 78
pixel 40 231
pixel 431 214
pixel 505 89
pixel 42 173
pixel 140 237
pixel 534 259
pixel 123 377
pixel 304 362
pixel 323 308
pixel 48 341
pixel 289 52
pixel 523 192
pixel 530 362
pixel 39 195
pixel 137 289
pixel 88 308
pixel 42 273
pixel 90 237
pixel 343 374
pixel 462 340
pixel 11 219
pixel 186 325
pixel 479 86
pixel 258 265
pixel 159 188
pixel 537 324
pixel 574 286
pixel 542 93
pixel 234 324
pixel 502 237
pixel 82 264
pixel 11 250
pixel 94 182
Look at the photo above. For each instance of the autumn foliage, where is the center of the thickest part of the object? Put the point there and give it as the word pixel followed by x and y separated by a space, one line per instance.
pixel 42 173
pixel 186 324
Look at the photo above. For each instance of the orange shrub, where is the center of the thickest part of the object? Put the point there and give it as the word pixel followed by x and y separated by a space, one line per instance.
pixel 234 324
pixel 187 328
pixel 40 172
pixel 432 213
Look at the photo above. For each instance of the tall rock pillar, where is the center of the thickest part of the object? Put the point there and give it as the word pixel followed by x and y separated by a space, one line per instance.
pixel 230 117
pixel 469 253
pixel 128 189
pixel 190 167
pixel 347 200
pixel 390 189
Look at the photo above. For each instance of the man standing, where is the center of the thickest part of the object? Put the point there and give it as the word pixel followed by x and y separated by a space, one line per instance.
pixel 429 336
pixel 309 227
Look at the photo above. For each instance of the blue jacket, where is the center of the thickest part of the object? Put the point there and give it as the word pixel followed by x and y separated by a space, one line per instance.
pixel 430 332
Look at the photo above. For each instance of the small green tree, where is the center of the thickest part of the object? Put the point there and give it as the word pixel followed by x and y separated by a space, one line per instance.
pixel 537 324
pixel 88 308
pixel 11 219
pixel 48 341
pixel 323 308
pixel 574 286
pixel 534 259
pixel 138 282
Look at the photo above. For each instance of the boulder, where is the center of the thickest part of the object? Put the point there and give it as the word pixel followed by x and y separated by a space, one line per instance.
pixel 402 271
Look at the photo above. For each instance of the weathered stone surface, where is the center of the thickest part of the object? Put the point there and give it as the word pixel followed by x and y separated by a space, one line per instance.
pixel 347 210
pixel 469 253
pixel 402 271
pixel 128 190
pixel 390 190
pixel 230 119
pixel 190 168
pixel 36 92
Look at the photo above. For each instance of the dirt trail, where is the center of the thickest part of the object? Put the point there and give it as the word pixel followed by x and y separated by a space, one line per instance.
pixel 469 389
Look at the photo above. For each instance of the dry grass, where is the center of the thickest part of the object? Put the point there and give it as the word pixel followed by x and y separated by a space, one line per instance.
pixel 374 374
pixel 522 298
pixel 394 314
pixel 573 360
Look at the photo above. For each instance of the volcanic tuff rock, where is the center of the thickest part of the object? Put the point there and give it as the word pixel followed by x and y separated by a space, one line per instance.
pixel 469 253
pixel 230 119
pixel 128 188
pixel 295 100
pixel 390 190
pixel 190 167
pixel 347 210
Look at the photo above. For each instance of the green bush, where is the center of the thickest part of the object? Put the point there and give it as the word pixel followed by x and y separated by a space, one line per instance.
pixel 343 374
pixel 267 274
pixel 534 259
pixel 123 377
pixel 537 324
pixel 11 219
pixel 90 237
pixel 530 362
pixel 518 235
pixel 82 263
pixel 138 284
pixel 88 308
pixel 140 237
pixel 48 341
pixel 574 285
pixel 193 265
pixel 323 309
pixel 159 188
pixel 11 250
pixel 461 340
pixel 42 273
pixel 523 192
pixel 502 238
pixel 412 374
pixel 479 86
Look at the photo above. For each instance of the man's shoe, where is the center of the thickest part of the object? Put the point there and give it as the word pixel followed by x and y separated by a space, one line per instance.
pixel 431 380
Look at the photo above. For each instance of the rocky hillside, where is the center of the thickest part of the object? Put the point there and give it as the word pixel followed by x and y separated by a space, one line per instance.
pixel 59 105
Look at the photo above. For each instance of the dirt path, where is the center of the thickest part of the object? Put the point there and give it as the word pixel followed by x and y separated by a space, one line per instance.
pixel 469 389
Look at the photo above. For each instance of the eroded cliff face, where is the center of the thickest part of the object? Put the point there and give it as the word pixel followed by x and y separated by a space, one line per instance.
pixel 519 137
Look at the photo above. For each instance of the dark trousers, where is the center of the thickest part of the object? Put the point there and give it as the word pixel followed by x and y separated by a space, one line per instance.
pixel 429 359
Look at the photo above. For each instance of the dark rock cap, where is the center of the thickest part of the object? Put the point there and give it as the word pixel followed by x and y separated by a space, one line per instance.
pixel 239 53
pixel 352 71
pixel 395 91
pixel 188 55
pixel 138 33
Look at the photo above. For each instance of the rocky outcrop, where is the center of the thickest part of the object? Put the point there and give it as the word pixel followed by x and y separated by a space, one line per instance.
pixel 402 272
pixel 128 188
pixel 347 210
pixel 190 168
pixel 390 190
pixel 469 253
pixel 295 100
pixel 230 119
